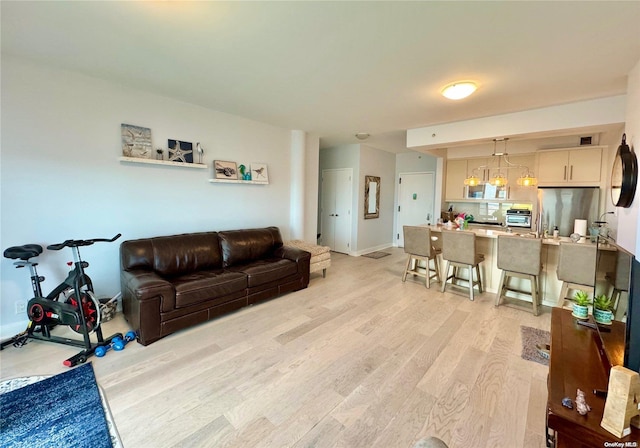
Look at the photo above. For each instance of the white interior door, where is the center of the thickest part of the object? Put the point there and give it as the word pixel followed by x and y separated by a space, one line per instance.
pixel 336 209
pixel 415 201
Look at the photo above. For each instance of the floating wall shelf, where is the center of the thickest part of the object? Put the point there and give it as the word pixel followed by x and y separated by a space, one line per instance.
pixel 161 162
pixel 237 181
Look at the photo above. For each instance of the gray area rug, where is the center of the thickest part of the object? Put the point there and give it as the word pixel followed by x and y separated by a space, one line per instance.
pixel 530 338
pixel 376 254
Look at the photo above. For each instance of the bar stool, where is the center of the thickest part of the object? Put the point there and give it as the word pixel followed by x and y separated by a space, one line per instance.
pixel 576 268
pixel 519 257
pixel 418 245
pixel 459 251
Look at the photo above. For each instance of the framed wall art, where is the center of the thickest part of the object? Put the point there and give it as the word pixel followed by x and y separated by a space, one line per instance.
pixel 259 173
pixel 225 170
pixel 180 151
pixel 136 141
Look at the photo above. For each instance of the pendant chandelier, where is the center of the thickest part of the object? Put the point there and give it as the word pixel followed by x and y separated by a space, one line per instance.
pixel 499 179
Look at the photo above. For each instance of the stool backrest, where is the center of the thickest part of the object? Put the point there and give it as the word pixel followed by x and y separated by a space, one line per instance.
pixel 417 240
pixel 459 246
pixel 577 263
pixel 518 254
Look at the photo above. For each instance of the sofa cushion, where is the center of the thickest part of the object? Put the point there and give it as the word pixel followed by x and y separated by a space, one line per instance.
pixel 264 271
pixel 203 285
pixel 181 254
pixel 244 246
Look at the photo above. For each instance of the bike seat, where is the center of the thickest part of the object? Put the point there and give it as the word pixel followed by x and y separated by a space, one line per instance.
pixel 23 252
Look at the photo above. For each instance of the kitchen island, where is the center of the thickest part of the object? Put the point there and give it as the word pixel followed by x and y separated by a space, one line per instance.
pixel 487 244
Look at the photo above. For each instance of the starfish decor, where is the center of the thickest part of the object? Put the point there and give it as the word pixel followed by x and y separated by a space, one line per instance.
pixel 177 154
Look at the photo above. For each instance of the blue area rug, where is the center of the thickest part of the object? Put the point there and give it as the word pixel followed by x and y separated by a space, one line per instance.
pixel 61 411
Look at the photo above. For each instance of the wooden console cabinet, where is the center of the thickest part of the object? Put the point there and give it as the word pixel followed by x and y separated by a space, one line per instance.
pixel 579 361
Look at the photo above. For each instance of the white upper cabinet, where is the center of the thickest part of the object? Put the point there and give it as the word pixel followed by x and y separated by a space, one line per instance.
pixel 454 182
pixel 579 167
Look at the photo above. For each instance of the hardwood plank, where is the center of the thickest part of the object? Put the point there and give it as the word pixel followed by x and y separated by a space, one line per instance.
pixel 537 400
pixel 508 426
pixel 447 411
pixel 407 423
pixel 322 435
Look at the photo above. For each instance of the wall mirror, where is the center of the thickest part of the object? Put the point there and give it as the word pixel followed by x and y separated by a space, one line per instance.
pixel 613 279
pixel 371 197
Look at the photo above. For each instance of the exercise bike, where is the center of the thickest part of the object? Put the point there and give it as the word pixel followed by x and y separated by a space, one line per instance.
pixel 71 303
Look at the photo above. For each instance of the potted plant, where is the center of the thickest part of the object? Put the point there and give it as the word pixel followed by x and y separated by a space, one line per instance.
pixel 602 309
pixel 462 220
pixel 581 304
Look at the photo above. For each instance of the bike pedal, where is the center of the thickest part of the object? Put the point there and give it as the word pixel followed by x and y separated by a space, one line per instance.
pixel 21 342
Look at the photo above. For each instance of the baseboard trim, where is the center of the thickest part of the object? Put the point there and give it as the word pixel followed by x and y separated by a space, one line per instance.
pixel 10 330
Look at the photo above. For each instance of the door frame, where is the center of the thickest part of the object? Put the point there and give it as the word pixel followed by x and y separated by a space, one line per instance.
pixel 350 214
pixel 436 205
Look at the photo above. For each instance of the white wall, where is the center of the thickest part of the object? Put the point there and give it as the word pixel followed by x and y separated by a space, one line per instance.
pixel 375 234
pixel 628 222
pixel 61 178
pixel 311 227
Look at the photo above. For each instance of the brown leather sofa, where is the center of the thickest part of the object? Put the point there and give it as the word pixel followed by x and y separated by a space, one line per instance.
pixel 173 282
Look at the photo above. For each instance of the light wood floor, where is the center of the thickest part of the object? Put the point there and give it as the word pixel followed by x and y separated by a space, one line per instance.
pixel 358 359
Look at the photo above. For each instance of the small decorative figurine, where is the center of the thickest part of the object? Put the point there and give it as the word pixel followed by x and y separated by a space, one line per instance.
pixel 567 402
pixel 159 154
pixel 200 151
pixel 581 404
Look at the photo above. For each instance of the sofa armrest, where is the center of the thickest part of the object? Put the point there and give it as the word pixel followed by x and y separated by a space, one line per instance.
pixel 145 295
pixel 292 253
pixel 302 258
pixel 144 285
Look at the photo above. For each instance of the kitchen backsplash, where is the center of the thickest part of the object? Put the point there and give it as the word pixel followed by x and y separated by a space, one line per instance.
pixel 491 212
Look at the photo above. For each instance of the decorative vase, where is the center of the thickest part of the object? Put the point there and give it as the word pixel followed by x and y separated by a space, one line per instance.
pixel 602 316
pixel 580 311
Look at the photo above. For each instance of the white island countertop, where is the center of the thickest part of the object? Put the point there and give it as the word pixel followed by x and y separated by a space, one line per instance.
pixel 491 233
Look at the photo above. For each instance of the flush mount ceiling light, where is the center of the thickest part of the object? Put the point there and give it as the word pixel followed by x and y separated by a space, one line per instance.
pixel 526 179
pixel 362 135
pixel 459 90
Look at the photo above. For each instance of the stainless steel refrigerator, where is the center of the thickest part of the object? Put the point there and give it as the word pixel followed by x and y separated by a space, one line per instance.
pixel 562 206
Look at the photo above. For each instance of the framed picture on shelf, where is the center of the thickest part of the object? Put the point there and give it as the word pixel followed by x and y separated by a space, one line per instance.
pixel 180 151
pixel 259 173
pixel 225 170
pixel 136 141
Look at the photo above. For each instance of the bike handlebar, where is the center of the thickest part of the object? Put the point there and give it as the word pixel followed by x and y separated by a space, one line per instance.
pixel 77 243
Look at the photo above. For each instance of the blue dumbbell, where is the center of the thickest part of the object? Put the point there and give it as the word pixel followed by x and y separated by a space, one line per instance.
pixel 102 350
pixel 119 343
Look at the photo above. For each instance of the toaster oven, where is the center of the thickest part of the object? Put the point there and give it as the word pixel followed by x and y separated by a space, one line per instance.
pixel 518 218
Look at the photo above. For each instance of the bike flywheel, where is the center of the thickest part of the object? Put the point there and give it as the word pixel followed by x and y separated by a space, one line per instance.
pixel 90 308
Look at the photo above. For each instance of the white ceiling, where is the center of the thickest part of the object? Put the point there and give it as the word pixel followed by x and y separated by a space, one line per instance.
pixel 337 68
